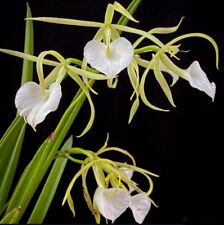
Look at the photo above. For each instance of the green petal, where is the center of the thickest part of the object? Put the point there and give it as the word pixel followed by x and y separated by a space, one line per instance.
pixel 64 21
pixel 87 74
pixel 163 83
pixel 201 35
pixel 142 86
pixel 71 204
pixel 166 30
pixel 119 8
pixel 133 110
pixel 76 78
pixel 27 56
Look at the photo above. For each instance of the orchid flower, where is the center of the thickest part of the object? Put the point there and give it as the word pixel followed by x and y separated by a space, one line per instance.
pixel 109 60
pixel 112 202
pixel 113 194
pixel 34 103
pixel 160 63
pixel 110 54
pixel 196 77
pixel 107 52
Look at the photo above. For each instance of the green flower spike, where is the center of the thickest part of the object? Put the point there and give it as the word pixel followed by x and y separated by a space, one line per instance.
pixel 113 194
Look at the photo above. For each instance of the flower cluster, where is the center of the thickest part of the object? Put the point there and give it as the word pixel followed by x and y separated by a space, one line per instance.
pixel 104 58
pixel 115 191
pixel 109 54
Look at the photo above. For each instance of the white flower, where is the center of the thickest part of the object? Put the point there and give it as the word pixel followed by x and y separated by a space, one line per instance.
pixel 140 205
pixel 198 79
pixel 109 61
pixel 34 103
pixel 112 202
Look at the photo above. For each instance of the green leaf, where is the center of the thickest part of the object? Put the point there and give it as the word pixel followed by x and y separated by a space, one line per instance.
pixel 50 187
pixel 11 217
pixel 10 148
pixel 27 74
pixel 28 181
pixel 12 140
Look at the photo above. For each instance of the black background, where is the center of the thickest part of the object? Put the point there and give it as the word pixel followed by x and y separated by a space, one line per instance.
pixel 183 146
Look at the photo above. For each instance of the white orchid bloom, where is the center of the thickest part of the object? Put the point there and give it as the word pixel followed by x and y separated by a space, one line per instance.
pixel 34 103
pixel 112 59
pixel 194 74
pixel 140 205
pixel 198 79
pixel 111 202
pixel 114 193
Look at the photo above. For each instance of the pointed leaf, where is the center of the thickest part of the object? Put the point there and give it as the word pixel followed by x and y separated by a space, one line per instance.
pixel 27 74
pixel 47 194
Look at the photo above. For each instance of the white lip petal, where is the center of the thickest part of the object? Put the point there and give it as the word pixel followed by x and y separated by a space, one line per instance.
pixel 198 79
pixel 119 57
pixel 28 96
pixel 35 104
pixel 140 205
pixel 111 202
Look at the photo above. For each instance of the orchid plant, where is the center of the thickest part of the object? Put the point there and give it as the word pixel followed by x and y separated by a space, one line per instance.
pixel 104 58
